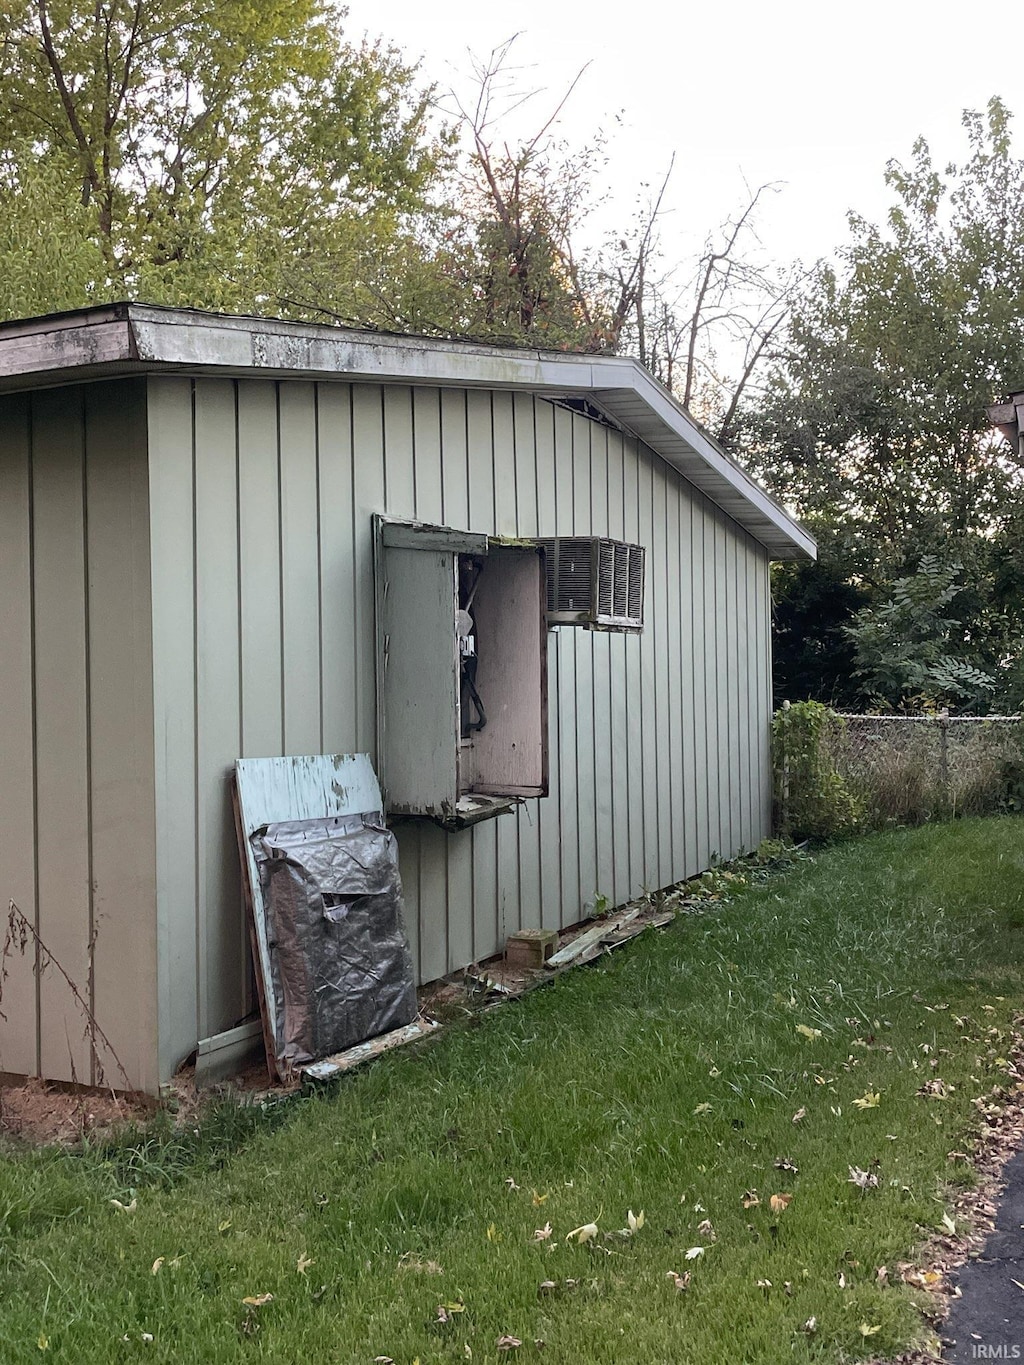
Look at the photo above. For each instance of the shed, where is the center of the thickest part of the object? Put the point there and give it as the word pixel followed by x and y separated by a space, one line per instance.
pixel 226 537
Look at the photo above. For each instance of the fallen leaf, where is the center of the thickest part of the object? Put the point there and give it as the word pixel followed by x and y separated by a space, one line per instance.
pixel 547 1287
pixel 751 1199
pixel 864 1180
pixel 681 1282
pixel 542 1234
pixel 882 1274
pixel 539 1199
pixel 446 1311
pixel 808 1032
pixel 511 1183
pixel 493 1235
pixel 869 1100
pixel 383 1360
pixel 155 1267
pixel 223 1227
pixel 586 1233
pixel 764 1284
pixel 785 1163
pixel 303 1263
pixel 704 1108
pixel 780 1202
pixel 145 1336
pixel 125 1208
pixel 694 1252
pixel 810 1326
pixel 410 1261
pixel 842 1280
pixel 923 1279
pixel 867 1331
pixel 257 1300
pixel 801 1113
pixel 948 1223
pixel 634 1221
pixel 43 1341
pixel 507 1343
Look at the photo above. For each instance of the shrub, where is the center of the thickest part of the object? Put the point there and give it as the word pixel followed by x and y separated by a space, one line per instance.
pixel 812 798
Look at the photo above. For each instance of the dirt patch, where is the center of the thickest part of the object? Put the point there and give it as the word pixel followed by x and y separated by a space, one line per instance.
pixel 41 1115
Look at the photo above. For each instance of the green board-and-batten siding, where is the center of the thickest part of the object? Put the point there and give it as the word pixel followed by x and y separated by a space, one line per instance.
pixel 263 629
pixel 187 578
pixel 77 827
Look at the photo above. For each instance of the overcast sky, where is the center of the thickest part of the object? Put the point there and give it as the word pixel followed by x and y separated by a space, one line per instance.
pixel 815 95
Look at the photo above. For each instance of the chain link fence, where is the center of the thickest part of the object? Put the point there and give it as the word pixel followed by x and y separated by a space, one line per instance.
pixel 911 769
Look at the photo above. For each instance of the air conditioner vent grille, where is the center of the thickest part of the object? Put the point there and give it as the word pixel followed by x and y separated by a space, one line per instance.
pixel 595 582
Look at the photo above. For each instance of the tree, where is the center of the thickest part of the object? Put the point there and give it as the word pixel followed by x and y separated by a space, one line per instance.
pixel 874 419
pixel 189 152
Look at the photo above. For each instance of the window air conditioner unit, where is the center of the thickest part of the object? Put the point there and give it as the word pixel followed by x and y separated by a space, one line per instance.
pixel 594 583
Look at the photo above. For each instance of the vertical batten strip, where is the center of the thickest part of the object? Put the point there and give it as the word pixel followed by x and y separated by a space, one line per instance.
pixel 528 816
pixel 480 474
pixel 506 523
pixel 634 724
pixel 453 495
pixel 562 644
pixel 549 810
pixel 121 756
pixel 19 1032
pixel 62 724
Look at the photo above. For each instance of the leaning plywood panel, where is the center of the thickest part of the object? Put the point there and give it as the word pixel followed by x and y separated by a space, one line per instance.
pixel 122 824
pixel 62 685
pixel 18 1027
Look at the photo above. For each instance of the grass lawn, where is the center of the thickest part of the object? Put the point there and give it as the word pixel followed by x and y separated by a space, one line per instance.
pixel 666 1079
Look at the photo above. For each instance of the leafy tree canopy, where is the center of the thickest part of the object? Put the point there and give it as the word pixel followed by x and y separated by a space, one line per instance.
pixel 189 153
pixel 874 425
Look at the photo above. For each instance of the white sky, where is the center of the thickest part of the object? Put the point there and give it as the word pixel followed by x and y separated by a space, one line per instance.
pixel 817 95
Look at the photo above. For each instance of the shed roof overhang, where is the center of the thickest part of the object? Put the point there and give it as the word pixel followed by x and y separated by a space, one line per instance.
pixel 130 338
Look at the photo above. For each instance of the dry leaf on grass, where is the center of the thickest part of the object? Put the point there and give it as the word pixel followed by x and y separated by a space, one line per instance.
pixel 780 1202
pixel 583 1234
pixel 541 1234
pixel 867 1331
pixel 694 1252
pixel 303 1263
pixel 257 1300
pixel 751 1199
pixel 800 1114
pixel 125 1208
pixel 869 1100
pixel 681 1282
pixel 784 1163
pixel 864 1180
pixel 508 1343
pixel 634 1221
pixel 808 1032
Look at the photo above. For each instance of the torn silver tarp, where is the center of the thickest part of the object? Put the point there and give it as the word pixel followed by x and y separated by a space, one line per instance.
pixel 340 962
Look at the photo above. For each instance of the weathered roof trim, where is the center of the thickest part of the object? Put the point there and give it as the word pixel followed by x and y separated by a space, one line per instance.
pixel 127 338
